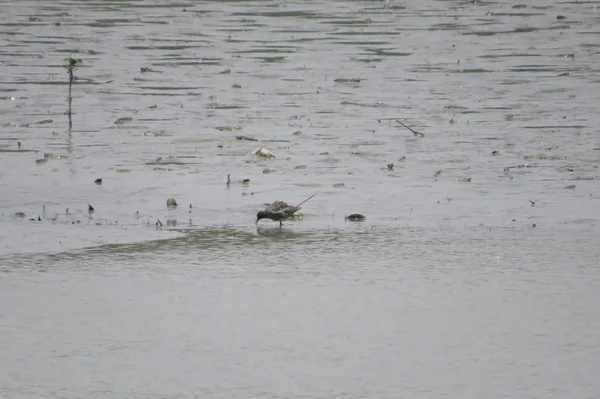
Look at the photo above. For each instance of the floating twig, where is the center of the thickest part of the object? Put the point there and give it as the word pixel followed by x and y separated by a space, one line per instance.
pixel 414 132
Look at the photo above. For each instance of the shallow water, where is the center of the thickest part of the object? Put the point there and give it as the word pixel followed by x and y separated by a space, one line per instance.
pixel 480 288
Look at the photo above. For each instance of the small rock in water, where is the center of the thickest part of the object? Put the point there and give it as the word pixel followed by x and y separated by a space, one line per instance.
pixel 90 208
pixel 171 202
pixel 246 181
pixel 356 217
pixel 98 180
pixel 20 214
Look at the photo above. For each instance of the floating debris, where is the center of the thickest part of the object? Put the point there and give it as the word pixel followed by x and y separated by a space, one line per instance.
pixel 40 161
pixel 297 133
pixel 90 208
pixel 228 180
pixel 346 80
pixel 98 181
pixel 121 121
pixel 339 185
pixel 464 180
pixel 171 203
pixel 145 70
pixel 437 173
pixel 246 138
pixel 268 171
pixel 171 222
pixel 356 217
pixel 153 106
pixel 570 187
pixel 390 166
pixel 228 128
pixel 49 155
pixel 263 152
pixel 20 214
pixel 414 132
pixel 44 122
pixel 246 181
pixel 298 167
pixel 495 152
pixel 159 133
pixel 170 160
pixel 236 86
pixel 225 72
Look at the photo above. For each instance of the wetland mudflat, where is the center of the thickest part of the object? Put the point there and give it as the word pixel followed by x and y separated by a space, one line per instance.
pixel 474 273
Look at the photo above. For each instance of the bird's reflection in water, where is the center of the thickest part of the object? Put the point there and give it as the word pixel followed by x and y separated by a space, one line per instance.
pixel 278 232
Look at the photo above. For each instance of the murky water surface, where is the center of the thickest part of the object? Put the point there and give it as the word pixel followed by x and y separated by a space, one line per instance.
pixel 475 275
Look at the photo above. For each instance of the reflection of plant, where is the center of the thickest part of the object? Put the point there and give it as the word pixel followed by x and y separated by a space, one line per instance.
pixel 71 64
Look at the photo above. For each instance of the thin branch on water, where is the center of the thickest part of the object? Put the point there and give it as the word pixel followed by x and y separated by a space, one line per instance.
pixel 412 130
pixel 71 66
pixel 400 122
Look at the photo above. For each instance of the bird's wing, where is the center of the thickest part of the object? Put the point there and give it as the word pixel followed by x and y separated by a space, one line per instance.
pixel 277 206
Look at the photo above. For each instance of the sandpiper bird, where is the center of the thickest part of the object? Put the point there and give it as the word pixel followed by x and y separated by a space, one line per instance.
pixel 279 211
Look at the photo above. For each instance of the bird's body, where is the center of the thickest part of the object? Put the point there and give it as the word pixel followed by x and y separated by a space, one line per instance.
pixel 278 211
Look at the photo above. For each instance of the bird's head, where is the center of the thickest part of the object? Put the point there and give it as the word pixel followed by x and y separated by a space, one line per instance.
pixel 260 215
